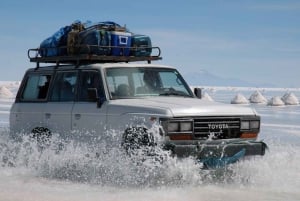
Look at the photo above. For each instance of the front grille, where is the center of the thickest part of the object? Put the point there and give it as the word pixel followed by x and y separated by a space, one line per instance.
pixel 216 127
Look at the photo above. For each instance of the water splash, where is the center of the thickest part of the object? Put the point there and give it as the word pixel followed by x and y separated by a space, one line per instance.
pixel 97 164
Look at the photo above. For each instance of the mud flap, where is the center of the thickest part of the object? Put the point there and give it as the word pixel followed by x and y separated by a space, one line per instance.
pixel 214 162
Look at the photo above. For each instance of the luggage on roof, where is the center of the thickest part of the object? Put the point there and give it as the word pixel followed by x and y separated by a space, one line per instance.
pixel 72 41
pixel 120 42
pixel 95 42
pixel 141 45
pixel 56 44
pixel 107 25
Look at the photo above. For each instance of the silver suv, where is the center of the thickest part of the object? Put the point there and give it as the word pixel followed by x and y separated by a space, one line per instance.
pixel 132 98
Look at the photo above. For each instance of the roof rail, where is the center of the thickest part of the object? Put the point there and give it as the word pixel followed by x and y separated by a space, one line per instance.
pixel 34 55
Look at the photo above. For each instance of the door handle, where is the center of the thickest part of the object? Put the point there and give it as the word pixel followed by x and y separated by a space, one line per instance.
pixel 77 116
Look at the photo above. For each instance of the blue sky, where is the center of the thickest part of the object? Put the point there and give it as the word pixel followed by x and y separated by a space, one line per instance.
pixel 255 41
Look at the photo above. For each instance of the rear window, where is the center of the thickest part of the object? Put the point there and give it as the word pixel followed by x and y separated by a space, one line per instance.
pixel 36 87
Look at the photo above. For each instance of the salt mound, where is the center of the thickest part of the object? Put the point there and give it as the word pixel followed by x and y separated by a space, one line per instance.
pixel 290 99
pixel 205 96
pixel 276 101
pixel 5 93
pixel 239 99
pixel 257 97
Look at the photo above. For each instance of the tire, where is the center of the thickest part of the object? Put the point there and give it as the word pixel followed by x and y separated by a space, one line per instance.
pixel 140 145
pixel 42 136
pixel 137 138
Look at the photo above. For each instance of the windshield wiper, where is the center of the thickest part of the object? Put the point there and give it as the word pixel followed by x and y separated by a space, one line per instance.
pixel 173 93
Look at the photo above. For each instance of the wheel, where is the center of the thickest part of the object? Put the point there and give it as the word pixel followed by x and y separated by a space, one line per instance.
pixel 42 136
pixel 140 145
pixel 136 138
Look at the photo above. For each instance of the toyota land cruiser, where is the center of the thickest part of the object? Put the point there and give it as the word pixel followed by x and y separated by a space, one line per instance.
pixel 93 96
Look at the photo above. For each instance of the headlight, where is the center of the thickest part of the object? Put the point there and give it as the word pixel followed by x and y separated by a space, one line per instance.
pixel 254 124
pixel 245 125
pixel 173 127
pixel 248 125
pixel 180 125
pixel 186 126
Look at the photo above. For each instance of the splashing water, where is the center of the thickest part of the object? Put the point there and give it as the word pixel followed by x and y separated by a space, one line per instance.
pixel 79 171
pixel 96 164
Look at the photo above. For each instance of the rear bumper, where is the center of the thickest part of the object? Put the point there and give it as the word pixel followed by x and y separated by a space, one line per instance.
pixel 224 149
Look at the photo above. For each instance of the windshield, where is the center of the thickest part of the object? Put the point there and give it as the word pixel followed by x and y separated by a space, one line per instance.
pixel 128 82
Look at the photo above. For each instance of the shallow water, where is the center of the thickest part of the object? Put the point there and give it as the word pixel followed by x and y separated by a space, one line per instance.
pixel 78 172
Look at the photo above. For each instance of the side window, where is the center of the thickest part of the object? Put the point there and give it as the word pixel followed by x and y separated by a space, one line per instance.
pixel 36 87
pixel 90 79
pixel 64 86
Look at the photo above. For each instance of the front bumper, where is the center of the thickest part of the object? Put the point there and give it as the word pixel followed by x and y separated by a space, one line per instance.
pixel 217 150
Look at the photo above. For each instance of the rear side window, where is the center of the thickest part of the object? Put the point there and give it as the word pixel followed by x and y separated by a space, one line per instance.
pixel 36 87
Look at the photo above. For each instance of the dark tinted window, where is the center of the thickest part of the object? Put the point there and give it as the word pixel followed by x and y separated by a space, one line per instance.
pixel 64 87
pixel 89 80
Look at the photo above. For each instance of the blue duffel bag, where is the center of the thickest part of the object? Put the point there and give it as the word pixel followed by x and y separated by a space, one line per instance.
pixel 56 45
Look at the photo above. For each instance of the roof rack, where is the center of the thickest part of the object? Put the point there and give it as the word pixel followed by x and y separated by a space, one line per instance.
pixel 77 59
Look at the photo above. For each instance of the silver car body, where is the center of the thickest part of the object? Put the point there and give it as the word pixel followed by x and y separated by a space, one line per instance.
pixel 112 112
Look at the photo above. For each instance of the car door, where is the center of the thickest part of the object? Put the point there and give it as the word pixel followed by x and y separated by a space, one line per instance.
pixel 88 118
pixel 58 111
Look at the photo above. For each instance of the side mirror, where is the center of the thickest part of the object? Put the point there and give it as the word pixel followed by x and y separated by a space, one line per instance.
pixel 93 96
pixel 198 92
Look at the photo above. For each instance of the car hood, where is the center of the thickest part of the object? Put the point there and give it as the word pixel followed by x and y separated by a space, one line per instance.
pixel 179 106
